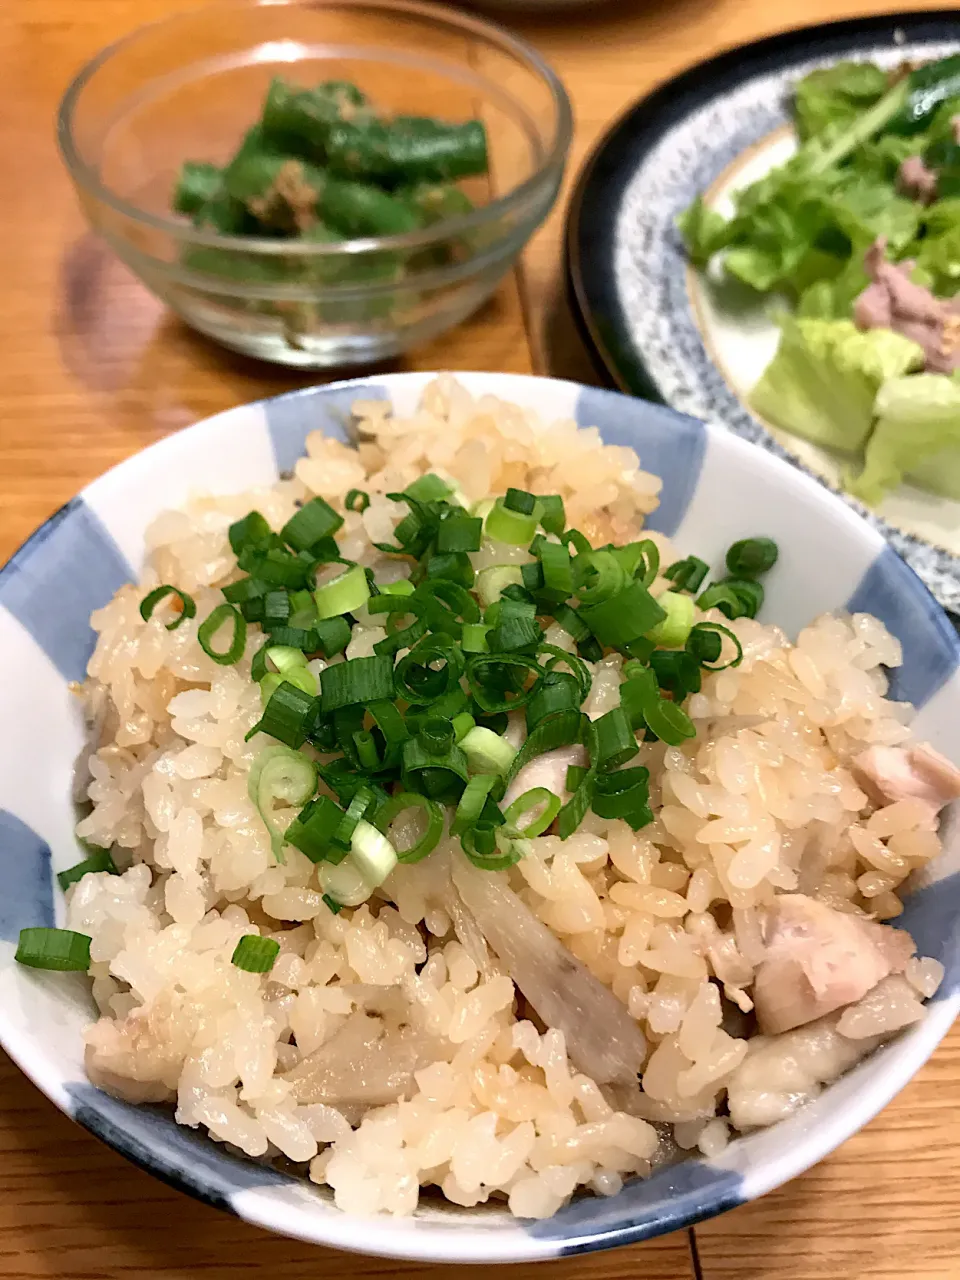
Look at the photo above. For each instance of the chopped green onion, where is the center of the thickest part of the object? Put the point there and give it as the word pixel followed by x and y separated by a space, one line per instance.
pixel 208 629
pixel 557 570
pixel 580 544
pixel 552 517
pixel 388 813
pixel 635 556
pixel 356 682
pixel 358 807
pixel 474 638
pixel 254 954
pixel 599 576
pixel 285 658
pixel 560 730
pixel 316 519
pixel 513 527
pixel 669 722
pixel 752 556
pixel 616 743
pixel 99 860
pixel 486 751
pixel 626 616
pixel 276 610
pixel 491 582
pixel 735 597
pixel 299 677
pixel 248 532
pixel 519 500
pixel 442 775
pixel 333 905
pixel 578 668
pixel 706 643
pixel 356 500
pixel 58 949
pixel 437 734
pixel 687 574
pixel 516 628
pixel 625 794
pixel 279 773
pixel 460 532
pixel 488 850
pixel 429 488
pixel 472 801
pixel 344 594
pixel 672 632
pixel 244 591
pixel 490 674
pixel 188 607
pixel 372 858
pixel 402 587
pixel 313 829
pixel 571 622
pixel 277 567
pixel 289 713
pixel 676 670
pixel 419 680
pixel 559 692
pixel 333 635
pixel 452 566
pixel 575 775
pixel 462 724
pixel 533 799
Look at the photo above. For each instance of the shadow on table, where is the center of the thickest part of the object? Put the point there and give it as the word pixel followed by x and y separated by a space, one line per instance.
pixel 156 374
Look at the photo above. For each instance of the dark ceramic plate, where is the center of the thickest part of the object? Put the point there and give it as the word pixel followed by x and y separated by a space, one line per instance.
pixel 663 332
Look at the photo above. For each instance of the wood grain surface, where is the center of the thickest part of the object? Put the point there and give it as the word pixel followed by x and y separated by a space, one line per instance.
pixel 91 370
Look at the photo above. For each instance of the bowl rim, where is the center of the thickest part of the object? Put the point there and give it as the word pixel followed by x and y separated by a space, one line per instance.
pixel 903 1055
pixel 88 179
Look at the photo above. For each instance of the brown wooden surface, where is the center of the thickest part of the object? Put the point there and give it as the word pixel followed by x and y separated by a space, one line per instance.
pixel 92 369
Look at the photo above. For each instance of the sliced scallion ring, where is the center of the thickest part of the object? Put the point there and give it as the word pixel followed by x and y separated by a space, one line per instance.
pixel 530 800
pixel 58 949
pixel 280 774
pixel 188 606
pixel 255 954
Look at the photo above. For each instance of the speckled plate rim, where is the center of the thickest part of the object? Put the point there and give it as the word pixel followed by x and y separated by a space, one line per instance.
pixel 715 486
pixel 590 268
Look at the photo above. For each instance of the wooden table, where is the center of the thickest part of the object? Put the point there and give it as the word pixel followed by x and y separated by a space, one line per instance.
pixel 91 370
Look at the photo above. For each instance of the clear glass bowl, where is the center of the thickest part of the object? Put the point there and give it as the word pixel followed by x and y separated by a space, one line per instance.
pixel 188 87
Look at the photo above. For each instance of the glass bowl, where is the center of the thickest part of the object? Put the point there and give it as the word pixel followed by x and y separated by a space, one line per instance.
pixel 188 87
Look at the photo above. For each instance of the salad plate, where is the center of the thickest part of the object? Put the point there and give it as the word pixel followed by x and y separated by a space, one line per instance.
pixel 693 314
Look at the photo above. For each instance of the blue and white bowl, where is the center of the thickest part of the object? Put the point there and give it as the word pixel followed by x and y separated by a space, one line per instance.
pixel 716 489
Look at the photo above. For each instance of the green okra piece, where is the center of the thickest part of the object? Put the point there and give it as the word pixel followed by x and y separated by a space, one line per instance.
pixel 298 120
pixel 360 209
pixel 197 182
pixel 439 201
pixel 407 149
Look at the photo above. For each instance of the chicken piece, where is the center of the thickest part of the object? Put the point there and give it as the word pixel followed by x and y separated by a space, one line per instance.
pixel 894 301
pixel 917 772
pixel 602 1039
pixel 548 770
pixel 914 179
pixel 364 1063
pixel 818 960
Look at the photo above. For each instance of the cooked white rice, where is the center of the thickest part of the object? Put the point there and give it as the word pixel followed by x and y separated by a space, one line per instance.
pixel 762 802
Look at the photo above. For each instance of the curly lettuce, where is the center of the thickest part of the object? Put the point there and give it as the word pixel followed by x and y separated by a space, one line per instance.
pixel 917 436
pixel 824 379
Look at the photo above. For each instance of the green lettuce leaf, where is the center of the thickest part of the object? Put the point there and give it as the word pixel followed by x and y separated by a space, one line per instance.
pixel 917 434
pixel 836 95
pixel 937 251
pixel 824 379
pixel 703 230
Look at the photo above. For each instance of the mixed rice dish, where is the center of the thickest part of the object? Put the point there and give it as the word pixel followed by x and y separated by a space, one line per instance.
pixel 444 830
